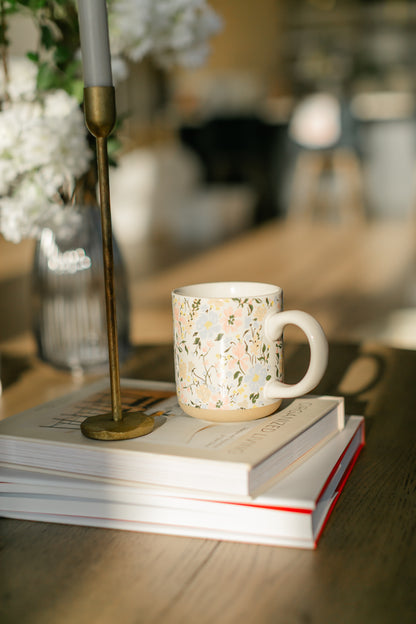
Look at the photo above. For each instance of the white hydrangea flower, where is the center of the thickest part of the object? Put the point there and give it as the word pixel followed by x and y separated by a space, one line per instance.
pixel 130 26
pixel 43 150
pixel 43 139
pixel 7 174
pixel 173 32
pixel 22 79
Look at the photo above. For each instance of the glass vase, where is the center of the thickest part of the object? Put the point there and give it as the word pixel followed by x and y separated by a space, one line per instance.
pixel 69 309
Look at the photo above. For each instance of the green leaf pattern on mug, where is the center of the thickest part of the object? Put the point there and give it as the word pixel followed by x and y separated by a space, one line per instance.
pixel 222 357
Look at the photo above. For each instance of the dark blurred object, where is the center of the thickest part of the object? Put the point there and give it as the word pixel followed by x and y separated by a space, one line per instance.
pixel 240 149
pixel 12 368
pixel 16 318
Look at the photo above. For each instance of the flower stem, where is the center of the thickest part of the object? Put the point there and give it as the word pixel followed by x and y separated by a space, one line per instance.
pixel 4 52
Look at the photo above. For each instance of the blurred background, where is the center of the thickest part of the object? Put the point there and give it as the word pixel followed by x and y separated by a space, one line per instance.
pixel 304 110
pixel 317 91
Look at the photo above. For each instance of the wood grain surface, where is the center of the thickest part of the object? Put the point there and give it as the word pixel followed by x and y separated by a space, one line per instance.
pixel 350 278
pixel 363 570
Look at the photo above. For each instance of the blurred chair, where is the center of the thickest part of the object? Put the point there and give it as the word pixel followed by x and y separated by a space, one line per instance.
pixel 327 176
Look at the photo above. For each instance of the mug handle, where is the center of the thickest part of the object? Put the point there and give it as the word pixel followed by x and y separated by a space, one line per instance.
pixel 318 345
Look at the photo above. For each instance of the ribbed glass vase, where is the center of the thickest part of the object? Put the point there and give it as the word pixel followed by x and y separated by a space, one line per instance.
pixel 69 310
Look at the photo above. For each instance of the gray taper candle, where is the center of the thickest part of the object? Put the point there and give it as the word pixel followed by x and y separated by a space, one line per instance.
pixel 95 47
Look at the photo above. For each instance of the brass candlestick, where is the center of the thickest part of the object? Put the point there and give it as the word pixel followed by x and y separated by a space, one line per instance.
pixel 100 116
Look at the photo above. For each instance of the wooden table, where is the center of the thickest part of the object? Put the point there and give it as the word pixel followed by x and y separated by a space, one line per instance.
pixel 364 568
pixel 351 278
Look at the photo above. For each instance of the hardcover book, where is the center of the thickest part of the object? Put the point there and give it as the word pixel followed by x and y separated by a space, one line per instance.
pixel 292 512
pixel 181 451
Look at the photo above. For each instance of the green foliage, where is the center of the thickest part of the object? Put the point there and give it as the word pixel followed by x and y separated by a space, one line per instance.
pixel 57 54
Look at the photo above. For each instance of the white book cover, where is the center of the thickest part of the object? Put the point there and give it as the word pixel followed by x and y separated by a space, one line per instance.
pixel 236 458
pixel 292 512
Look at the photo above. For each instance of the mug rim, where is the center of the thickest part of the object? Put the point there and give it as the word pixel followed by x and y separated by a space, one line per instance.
pixel 228 290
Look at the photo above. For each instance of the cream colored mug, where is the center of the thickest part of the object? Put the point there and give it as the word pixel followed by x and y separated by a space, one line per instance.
pixel 228 350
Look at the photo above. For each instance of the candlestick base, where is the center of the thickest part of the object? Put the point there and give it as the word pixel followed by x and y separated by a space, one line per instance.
pixel 104 427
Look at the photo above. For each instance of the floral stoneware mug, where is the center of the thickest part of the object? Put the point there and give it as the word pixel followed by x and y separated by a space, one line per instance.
pixel 228 350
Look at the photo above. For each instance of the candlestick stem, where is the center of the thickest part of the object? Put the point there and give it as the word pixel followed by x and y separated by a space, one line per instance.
pixel 99 104
pixel 110 299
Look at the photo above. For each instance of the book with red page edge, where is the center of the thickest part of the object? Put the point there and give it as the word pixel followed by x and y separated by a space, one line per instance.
pixel 324 487
pixel 340 487
pixel 292 513
pixel 232 459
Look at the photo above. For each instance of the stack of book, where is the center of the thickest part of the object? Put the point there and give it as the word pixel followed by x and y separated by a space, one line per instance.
pixel 272 481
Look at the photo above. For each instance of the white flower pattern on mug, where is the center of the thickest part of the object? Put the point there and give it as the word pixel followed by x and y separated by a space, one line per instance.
pixel 221 344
